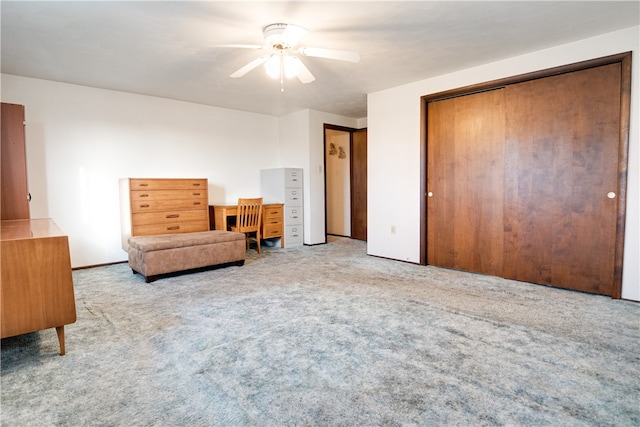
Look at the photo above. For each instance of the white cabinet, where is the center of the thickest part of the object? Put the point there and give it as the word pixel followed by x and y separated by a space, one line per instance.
pixel 284 185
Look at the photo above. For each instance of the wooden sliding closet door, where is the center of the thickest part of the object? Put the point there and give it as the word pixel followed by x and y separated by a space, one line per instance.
pixel 561 168
pixel 465 181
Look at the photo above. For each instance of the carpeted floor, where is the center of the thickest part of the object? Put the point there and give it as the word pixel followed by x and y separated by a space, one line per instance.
pixel 326 335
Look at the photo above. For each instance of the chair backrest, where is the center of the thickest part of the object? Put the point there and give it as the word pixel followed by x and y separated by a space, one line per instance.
pixel 249 216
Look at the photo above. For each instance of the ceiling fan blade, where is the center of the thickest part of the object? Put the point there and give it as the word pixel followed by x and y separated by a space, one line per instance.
pixel 304 75
pixel 341 55
pixel 292 34
pixel 250 66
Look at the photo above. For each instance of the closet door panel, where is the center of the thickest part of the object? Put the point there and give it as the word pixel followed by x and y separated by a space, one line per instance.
pixel 561 161
pixel 15 192
pixel 465 178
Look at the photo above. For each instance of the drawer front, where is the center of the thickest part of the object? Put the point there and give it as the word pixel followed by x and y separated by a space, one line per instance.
pixel 146 218
pixel 293 238
pixel 293 232
pixel 293 215
pixel 293 178
pixel 170 228
pixel 166 205
pixel 169 195
pixel 272 211
pixel 166 184
pixel 293 196
pixel 273 230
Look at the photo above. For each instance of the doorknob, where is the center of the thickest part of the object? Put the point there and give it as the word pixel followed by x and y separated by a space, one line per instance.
pixel 430 194
pixel 611 195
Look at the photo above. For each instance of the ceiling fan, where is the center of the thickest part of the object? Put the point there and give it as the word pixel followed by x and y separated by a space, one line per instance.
pixel 281 44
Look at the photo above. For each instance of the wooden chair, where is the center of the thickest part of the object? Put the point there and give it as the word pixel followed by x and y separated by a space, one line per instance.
pixel 249 219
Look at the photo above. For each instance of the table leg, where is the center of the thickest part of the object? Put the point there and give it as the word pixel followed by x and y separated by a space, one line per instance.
pixel 60 332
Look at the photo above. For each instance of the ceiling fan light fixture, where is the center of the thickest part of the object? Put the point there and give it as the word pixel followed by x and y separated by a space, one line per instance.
pixel 282 61
pixel 281 64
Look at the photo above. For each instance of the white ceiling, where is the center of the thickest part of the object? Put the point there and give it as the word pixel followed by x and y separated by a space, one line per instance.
pixel 168 49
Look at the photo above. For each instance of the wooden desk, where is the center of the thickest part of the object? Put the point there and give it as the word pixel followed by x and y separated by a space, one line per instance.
pixel 272 219
pixel 36 286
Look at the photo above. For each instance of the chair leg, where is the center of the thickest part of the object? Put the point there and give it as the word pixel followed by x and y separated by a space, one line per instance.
pixel 258 241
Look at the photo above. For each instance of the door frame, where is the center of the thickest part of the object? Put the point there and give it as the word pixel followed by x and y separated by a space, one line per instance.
pixel 623 145
pixel 351 131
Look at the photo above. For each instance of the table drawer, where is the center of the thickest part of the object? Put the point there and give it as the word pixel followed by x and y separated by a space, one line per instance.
pixel 170 228
pixel 272 211
pixel 166 184
pixel 165 205
pixel 168 195
pixel 273 230
pixel 146 218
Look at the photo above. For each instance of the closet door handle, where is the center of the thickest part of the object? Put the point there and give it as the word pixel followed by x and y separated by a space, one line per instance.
pixel 29 197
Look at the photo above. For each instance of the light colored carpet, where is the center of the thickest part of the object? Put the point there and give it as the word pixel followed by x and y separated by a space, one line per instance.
pixel 326 335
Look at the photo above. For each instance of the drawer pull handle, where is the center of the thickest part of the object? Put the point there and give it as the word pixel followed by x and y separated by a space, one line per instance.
pixel 144 195
pixel 144 206
pixel 196 184
pixel 196 194
pixel 144 184
pixel 176 227
pixel 196 203
pixel 173 216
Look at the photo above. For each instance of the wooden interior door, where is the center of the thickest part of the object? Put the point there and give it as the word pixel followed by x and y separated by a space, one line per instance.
pixel 359 185
pixel 561 178
pixel 14 191
pixel 465 182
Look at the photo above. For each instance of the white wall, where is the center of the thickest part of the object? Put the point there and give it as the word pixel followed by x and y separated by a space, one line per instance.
pixel 394 148
pixel 81 140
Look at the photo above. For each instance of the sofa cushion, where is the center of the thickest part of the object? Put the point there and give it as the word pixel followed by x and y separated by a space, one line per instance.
pixel 171 241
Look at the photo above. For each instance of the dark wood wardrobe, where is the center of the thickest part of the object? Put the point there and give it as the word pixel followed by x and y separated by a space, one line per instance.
pixel 526 179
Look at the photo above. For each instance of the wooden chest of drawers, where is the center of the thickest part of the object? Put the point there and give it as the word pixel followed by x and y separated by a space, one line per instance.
pixel 162 206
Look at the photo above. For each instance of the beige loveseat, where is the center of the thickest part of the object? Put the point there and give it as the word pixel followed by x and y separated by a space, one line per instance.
pixel 157 255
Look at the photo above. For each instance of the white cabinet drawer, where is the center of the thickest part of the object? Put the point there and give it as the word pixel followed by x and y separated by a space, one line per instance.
pixel 293 197
pixel 293 236
pixel 293 215
pixel 293 178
